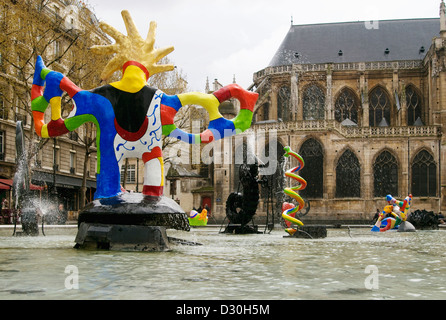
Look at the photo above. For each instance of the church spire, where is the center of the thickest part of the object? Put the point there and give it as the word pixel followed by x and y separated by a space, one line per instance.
pixel 442 19
pixel 207 89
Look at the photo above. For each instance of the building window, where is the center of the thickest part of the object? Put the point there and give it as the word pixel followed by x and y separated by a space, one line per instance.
pixel 424 175
pixel 313 103
pixel 72 162
pixel 348 176
pixel 173 187
pixel 131 174
pixel 57 50
pixel 2 145
pixel 414 106
pixel 346 106
pixel 284 104
pixel 3 111
pixel 379 108
pixel 56 158
pixel 385 175
pixel 313 171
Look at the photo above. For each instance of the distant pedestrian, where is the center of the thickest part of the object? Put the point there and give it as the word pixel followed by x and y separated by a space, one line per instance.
pixel 440 218
pixel 63 215
pixel 207 209
pixel 375 218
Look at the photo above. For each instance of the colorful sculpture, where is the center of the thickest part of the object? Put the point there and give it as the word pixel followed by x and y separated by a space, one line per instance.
pixel 399 211
pixel 289 210
pixel 198 219
pixel 130 116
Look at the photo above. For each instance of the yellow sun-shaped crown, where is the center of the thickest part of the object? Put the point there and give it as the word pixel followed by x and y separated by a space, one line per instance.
pixel 132 48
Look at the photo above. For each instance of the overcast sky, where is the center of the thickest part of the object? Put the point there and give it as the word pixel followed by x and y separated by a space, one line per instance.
pixel 218 39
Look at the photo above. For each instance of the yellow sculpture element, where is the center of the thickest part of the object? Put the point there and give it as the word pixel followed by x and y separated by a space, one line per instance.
pixel 208 101
pixel 132 48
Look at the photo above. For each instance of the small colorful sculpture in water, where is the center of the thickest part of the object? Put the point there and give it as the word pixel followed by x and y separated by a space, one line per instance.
pixel 399 211
pixel 289 210
pixel 130 116
pixel 198 219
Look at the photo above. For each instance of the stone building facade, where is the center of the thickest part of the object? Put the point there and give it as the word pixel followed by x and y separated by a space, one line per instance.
pixel 363 103
pixel 60 31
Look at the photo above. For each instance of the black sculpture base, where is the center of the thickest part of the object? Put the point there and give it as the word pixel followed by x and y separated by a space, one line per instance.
pixel 29 223
pixel 310 232
pixel 241 229
pixel 129 222
pixel 121 237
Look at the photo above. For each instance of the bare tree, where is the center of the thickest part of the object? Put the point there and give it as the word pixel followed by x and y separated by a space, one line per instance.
pixel 62 36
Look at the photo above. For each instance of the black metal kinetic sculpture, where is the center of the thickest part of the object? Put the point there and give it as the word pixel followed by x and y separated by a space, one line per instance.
pixel 242 206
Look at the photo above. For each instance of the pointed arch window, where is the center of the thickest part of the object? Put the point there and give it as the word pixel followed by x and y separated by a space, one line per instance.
pixel 262 113
pixel 313 171
pixel 313 103
pixel 424 175
pixel 379 108
pixel 346 106
pixel 284 104
pixel 414 105
pixel 385 175
pixel 348 176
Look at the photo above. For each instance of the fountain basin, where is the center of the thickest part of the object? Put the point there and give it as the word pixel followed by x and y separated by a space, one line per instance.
pixel 129 222
pixel 410 266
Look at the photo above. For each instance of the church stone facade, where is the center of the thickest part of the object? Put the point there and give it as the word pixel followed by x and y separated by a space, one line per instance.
pixel 364 104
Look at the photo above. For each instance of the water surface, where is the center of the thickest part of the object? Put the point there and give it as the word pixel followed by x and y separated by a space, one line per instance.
pixel 255 267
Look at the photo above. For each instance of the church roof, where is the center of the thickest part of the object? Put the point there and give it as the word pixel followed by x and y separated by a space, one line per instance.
pixel 383 40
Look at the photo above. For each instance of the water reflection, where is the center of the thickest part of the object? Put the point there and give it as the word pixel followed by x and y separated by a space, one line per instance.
pixel 257 266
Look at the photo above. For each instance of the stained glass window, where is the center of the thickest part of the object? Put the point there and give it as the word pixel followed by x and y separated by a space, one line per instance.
pixel 284 104
pixel 313 103
pixel 385 175
pixel 348 176
pixel 414 106
pixel 424 175
pixel 346 106
pixel 313 171
pixel 379 107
